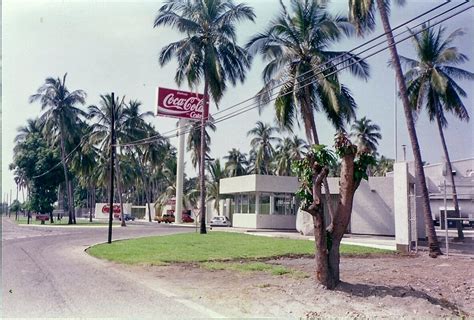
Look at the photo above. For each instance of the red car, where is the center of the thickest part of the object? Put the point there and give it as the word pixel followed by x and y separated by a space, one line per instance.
pixel 187 218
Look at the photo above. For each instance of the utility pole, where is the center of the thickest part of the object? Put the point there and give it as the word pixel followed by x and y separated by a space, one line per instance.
pixel 180 172
pixel 112 156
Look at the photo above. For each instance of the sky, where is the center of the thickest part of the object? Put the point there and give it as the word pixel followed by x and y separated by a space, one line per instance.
pixel 111 45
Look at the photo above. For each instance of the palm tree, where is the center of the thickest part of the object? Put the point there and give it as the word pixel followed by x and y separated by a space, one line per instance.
pixel 262 145
pixel 366 134
pixel 32 126
pixel 217 173
pixel 300 61
pixel 383 166
pixel 102 114
pixel 287 151
pixel 431 83
pixel 362 14
pixel 193 143
pixel 209 52
pixel 236 164
pixel 61 117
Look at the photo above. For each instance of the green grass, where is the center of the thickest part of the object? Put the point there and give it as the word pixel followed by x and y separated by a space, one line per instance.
pixel 214 246
pixel 62 222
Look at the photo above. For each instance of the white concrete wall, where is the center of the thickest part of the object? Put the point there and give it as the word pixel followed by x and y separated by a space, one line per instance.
pixel 262 183
pixel 372 211
pixel 127 207
pixel 265 221
pixel 246 220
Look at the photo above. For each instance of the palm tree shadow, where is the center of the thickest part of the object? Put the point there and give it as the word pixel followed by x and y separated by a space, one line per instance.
pixel 367 290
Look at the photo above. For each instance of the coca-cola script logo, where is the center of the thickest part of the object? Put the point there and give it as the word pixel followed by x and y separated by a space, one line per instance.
pixel 181 104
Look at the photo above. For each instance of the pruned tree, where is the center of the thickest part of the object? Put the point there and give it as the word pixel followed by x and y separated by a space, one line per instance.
pixel 312 170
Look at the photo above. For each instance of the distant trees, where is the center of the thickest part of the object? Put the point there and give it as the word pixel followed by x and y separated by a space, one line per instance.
pixel 60 121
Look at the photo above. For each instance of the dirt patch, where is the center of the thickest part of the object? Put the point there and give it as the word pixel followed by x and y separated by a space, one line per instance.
pixel 381 286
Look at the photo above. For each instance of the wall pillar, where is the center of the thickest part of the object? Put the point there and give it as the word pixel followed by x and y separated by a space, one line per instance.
pixel 401 206
pixel 272 203
pixel 257 203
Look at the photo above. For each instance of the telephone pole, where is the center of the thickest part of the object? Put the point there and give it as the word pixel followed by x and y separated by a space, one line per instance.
pixel 112 158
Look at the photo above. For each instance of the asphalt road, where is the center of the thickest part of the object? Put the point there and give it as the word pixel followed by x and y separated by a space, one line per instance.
pixel 46 273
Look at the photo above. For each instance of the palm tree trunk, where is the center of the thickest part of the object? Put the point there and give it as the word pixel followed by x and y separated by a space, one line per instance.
pixel 451 177
pixel 420 174
pixel 66 178
pixel 202 178
pixel 91 191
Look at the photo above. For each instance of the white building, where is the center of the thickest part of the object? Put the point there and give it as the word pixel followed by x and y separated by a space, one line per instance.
pixel 257 201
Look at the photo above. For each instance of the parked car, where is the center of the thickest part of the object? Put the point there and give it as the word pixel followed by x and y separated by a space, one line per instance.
pixel 128 217
pixel 221 221
pixel 187 218
pixel 166 218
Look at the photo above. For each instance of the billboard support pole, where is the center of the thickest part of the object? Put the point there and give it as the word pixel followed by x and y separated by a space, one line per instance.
pixel 112 156
pixel 180 171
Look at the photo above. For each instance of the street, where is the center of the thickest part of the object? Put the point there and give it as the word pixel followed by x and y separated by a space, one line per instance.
pixel 46 273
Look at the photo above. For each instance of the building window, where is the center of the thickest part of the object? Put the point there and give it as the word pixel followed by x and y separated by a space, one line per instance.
pixel 285 204
pixel 264 203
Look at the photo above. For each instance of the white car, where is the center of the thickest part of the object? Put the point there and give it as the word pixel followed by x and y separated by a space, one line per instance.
pixel 220 221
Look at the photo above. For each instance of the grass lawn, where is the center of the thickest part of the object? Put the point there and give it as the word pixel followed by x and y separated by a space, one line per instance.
pixel 62 222
pixel 214 246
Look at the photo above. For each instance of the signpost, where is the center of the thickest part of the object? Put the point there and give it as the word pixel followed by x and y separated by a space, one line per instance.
pixel 185 106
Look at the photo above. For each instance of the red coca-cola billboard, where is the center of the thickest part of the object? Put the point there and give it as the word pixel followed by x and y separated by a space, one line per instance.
pixel 181 104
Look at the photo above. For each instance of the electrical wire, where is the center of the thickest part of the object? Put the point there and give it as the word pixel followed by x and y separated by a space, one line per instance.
pixel 254 105
pixel 187 128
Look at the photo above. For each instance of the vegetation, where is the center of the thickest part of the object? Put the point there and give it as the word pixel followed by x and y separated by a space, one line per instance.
pixel 208 53
pixel 431 84
pixel 362 15
pixel 217 246
pixel 311 170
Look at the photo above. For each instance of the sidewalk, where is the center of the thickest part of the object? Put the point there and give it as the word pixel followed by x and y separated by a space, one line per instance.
pixel 387 243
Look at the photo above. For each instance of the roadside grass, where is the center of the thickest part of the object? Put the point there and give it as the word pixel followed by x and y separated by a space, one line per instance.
pixel 63 222
pixel 212 247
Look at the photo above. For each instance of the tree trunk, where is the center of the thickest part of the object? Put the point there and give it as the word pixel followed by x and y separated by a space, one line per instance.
pixel 451 177
pixel 73 209
pixel 420 174
pixel 202 163
pixel 91 191
pixel 66 178
pixel 308 113
pixel 119 189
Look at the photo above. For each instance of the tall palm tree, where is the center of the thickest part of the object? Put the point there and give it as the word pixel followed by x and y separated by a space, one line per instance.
pixel 193 142
pixel 217 173
pixel 261 143
pixel 208 53
pixel 100 136
pixel 297 47
pixel 431 84
pixel 61 117
pixel 236 164
pixel 362 14
pixel 366 134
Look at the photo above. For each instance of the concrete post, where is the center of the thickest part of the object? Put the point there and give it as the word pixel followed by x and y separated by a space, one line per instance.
pixel 401 206
pixel 180 171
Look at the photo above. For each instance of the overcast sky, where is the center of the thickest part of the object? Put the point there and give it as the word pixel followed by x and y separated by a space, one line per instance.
pixel 107 45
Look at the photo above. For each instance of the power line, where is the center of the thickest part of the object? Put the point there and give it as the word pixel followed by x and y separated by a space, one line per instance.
pixel 65 158
pixel 188 127
pixel 254 105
